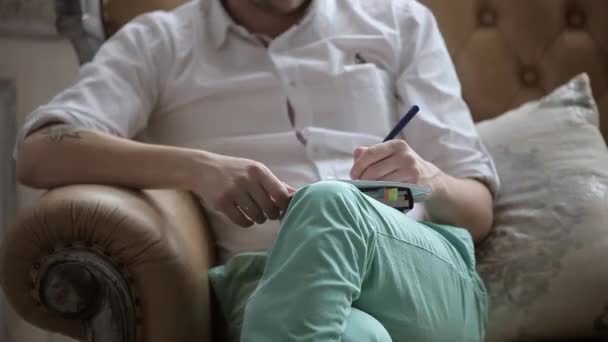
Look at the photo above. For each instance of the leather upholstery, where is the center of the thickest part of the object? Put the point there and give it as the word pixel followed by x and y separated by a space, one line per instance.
pixel 158 240
pixel 510 52
pixel 116 13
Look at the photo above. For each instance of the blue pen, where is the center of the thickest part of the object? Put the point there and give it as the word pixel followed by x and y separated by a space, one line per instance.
pixel 402 123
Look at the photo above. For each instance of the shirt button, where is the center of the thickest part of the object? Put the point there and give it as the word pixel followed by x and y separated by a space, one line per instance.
pixel 576 19
pixel 487 18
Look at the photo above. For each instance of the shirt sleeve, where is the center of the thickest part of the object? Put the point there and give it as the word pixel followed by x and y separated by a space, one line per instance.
pixel 117 91
pixel 443 132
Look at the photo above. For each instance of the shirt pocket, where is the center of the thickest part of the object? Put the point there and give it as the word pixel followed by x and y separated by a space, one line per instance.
pixel 359 98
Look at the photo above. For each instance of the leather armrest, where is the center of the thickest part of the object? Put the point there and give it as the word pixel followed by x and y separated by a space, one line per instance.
pixel 154 245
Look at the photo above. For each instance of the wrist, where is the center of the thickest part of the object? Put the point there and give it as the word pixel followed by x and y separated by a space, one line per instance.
pixel 438 203
pixel 440 186
pixel 192 166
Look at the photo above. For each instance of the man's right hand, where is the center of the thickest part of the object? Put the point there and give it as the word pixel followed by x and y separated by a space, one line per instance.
pixel 59 154
pixel 244 190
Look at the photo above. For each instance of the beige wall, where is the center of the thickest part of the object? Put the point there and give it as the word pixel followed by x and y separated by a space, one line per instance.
pixel 41 68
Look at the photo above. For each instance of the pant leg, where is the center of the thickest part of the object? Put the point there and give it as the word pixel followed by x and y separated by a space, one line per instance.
pixel 362 327
pixel 337 248
pixel 234 282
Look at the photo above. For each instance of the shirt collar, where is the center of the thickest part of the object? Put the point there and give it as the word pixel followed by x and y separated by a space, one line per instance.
pixel 220 21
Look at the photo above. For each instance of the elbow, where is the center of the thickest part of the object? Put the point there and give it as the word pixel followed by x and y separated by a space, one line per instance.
pixel 484 225
pixel 36 160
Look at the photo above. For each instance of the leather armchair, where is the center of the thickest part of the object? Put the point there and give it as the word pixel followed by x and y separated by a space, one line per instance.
pixel 101 263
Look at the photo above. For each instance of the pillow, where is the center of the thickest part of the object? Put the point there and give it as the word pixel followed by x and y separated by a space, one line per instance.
pixel 20 17
pixel 544 264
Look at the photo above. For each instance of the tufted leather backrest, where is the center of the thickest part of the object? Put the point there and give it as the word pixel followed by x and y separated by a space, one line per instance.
pixel 508 52
pixel 116 13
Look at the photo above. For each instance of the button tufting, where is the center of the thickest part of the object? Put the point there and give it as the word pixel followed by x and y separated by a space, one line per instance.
pixel 576 19
pixel 530 76
pixel 487 17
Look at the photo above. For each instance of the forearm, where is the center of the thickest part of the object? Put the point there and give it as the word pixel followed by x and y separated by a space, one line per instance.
pixel 61 155
pixel 463 203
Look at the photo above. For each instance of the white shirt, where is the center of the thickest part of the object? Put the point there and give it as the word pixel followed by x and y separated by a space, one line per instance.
pixel 349 70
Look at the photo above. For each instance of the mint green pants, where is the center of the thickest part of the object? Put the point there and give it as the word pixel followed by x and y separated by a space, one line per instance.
pixel 348 268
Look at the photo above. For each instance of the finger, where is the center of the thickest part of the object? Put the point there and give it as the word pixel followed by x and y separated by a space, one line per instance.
pixel 369 157
pixel 235 215
pixel 399 175
pixel 358 151
pixel 249 206
pixel 290 190
pixel 382 168
pixel 276 189
pixel 264 201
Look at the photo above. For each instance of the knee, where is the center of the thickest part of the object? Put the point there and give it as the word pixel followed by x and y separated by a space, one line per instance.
pixel 338 203
pixel 361 326
pixel 335 192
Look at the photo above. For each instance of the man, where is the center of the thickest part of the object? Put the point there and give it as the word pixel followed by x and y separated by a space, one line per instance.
pixel 244 101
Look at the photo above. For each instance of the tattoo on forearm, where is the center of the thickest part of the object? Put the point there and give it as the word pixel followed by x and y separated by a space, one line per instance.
pixel 59 133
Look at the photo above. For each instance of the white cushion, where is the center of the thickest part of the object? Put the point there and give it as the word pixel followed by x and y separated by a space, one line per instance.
pixel 545 261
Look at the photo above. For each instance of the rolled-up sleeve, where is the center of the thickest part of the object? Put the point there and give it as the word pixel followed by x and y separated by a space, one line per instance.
pixel 117 91
pixel 443 132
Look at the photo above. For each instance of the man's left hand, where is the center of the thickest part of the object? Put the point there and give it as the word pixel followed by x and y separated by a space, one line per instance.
pixel 394 160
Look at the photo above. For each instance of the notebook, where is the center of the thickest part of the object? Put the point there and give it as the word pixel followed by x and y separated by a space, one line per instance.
pixel 398 195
